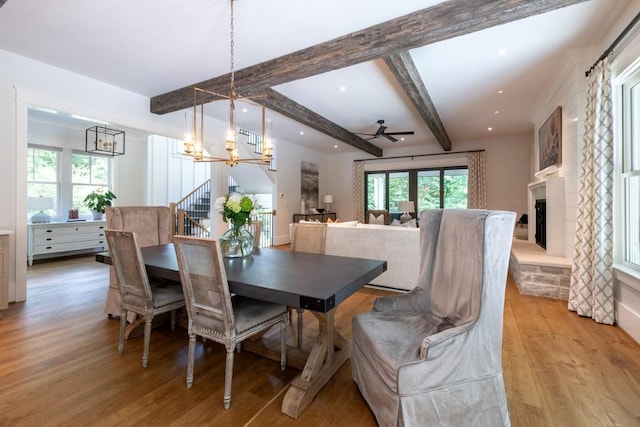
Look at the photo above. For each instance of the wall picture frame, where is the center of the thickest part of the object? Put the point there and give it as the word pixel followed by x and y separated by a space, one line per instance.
pixel 550 140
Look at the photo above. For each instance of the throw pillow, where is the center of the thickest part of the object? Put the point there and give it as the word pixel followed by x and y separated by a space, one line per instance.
pixel 376 220
pixel 410 224
pixel 396 223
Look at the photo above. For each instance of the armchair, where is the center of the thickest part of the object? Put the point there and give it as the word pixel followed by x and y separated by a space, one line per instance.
pixel 433 356
pixel 152 225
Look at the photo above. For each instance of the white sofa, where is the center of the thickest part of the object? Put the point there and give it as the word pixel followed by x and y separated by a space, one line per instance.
pixel 399 246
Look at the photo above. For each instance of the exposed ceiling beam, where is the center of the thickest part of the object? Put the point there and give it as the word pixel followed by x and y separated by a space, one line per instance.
pixel 407 75
pixel 2 2
pixel 275 101
pixel 443 21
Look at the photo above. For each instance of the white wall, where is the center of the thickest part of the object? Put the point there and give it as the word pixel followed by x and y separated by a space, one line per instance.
pixel 24 82
pixel 288 184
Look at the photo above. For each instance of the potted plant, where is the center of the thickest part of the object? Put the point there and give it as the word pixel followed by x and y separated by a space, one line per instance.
pixel 97 200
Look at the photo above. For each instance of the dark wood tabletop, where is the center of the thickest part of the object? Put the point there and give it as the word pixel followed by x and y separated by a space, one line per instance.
pixel 309 281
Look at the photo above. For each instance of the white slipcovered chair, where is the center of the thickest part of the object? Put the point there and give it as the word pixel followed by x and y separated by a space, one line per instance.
pixel 433 356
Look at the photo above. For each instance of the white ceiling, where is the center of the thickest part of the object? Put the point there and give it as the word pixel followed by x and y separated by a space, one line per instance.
pixel 154 46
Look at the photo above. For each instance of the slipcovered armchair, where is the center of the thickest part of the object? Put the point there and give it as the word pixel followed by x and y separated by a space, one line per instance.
pixel 433 356
pixel 152 225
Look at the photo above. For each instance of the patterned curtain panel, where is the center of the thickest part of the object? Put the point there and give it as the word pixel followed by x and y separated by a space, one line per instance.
pixel 358 191
pixel 477 191
pixel 591 291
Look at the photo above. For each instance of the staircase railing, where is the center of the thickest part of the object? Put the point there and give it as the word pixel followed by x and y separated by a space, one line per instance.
pixel 190 211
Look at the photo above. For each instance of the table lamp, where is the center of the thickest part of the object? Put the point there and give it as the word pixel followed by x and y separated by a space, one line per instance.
pixel 40 204
pixel 407 207
pixel 328 200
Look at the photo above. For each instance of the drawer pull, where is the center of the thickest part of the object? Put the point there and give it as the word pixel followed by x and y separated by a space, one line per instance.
pixel 49 239
pixel 49 231
pixel 49 247
pixel 100 242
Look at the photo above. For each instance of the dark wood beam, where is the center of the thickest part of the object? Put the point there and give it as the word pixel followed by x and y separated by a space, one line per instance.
pixel 2 2
pixel 443 21
pixel 407 75
pixel 275 101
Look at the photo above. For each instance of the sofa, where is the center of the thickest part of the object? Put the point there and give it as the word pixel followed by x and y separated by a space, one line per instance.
pixel 399 246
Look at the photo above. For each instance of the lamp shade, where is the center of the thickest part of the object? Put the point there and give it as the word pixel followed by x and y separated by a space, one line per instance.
pixel 40 203
pixel 405 206
pixel 328 198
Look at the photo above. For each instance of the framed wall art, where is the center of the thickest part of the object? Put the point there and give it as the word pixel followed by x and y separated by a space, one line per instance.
pixel 550 140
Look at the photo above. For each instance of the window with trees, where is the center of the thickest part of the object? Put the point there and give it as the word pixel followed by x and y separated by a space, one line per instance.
pixel 65 176
pixel 629 201
pixel 43 176
pixel 430 188
pixel 88 173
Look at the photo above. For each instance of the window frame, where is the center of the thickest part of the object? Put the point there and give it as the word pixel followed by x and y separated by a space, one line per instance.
pixel 413 183
pixel 57 183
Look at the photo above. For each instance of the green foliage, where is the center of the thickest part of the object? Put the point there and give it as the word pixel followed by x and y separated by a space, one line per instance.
pixel 98 200
pixel 236 208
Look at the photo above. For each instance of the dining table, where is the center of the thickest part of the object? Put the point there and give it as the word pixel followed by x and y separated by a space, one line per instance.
pixel 314 282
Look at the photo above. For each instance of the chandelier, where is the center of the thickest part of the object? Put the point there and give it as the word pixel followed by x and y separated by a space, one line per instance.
pixel 194 141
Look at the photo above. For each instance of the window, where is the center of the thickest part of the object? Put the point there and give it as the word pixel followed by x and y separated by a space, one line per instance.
pixel 88 173
pixel 43 176
pixel 630 174
pixel 430 188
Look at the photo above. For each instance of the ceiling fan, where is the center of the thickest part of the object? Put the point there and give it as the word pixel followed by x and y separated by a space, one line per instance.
pixel 381 132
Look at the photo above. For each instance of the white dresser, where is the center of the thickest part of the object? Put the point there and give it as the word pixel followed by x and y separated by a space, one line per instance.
pixel 64 238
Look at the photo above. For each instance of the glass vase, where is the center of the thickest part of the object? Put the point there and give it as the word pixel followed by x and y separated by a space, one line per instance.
pixel 236 243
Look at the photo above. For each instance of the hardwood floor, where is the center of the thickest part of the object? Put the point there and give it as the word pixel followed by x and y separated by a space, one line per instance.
pixel 60 366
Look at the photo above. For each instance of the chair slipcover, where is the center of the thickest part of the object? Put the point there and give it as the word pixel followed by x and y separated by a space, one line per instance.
pixel 137 294
pixel 152 225
pixel 213 314
pixel 433 356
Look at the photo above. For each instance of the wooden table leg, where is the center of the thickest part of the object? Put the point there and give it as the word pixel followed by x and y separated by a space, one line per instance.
pixel 323 362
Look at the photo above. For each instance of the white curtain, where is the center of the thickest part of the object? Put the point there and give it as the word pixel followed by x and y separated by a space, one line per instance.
pixel 358 191
pixel 477 191
pixel 591 291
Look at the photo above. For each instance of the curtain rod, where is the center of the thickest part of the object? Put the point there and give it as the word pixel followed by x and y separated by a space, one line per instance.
pixel 419 155
pixel 615 43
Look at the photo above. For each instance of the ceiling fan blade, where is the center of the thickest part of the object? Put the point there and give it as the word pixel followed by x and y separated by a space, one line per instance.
pixel 390 138
pixel 380 130
pixel 409 132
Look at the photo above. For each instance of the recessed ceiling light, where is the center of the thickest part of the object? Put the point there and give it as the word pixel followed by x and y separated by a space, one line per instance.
pixel 490 129
pixel 402 139
pixel 575 119
pixel 502 52
pixel 343 88
pixel 496 112
pixel 89 119
pixel 44 109
pixel 335 146
pixel 500 91
pixel 301 133
pixel 244 110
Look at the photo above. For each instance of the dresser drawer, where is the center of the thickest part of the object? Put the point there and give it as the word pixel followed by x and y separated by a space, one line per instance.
pixel 70 246
pixel 68 238
pixel 68 230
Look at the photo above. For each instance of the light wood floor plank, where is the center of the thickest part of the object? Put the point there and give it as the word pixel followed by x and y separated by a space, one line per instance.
pixel 60 366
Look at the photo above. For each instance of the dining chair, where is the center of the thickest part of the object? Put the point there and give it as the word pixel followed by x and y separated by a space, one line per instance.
pixel 137 293
pixel 213 314
pixel 256 230
pixel 309 238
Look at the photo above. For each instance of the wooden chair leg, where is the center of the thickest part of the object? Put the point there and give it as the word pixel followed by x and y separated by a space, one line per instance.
pixel 173 319
pixel 147 340
pixel 123 326
pixel 300 326
pixel 283 344
pixel 228 376
pixel 190 359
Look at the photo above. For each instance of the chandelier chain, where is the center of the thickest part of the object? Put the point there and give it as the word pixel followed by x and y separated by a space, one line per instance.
pixel 231 50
